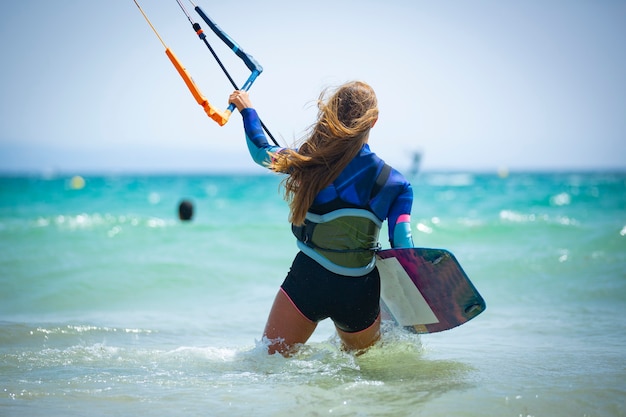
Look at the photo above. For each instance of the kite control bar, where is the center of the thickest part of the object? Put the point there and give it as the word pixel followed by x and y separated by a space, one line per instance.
pixel 221 117
pixel 255 68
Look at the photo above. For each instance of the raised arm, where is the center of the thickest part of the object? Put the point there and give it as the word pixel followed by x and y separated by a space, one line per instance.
pixel 258 146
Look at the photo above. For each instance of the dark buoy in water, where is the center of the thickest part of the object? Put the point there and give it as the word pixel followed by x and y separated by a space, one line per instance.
pixel 185 210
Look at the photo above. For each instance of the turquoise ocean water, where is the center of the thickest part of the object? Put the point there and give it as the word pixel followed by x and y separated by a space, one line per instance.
pixel 111 306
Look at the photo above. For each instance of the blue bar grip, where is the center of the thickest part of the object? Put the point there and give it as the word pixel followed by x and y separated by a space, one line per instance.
pixel 250 62
pixel 246 86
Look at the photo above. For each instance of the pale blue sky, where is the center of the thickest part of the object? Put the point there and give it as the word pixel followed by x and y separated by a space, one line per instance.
pixel 476 85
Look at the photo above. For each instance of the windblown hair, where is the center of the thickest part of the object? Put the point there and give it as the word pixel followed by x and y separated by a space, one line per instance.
pixel 342 128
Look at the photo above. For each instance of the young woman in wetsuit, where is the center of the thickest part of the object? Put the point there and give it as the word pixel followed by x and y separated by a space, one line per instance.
pixel 339 194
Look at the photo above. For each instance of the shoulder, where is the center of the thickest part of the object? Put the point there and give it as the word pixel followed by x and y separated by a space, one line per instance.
pixel 394 177
pixel 397 177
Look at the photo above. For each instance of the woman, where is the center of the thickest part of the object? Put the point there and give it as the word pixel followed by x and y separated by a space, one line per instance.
pixel 339 193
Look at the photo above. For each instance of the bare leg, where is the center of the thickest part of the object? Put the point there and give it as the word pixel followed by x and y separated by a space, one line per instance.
pixel 362 340
pixel 286 326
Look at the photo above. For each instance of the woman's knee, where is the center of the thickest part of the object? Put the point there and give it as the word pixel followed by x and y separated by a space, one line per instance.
pixel 361 340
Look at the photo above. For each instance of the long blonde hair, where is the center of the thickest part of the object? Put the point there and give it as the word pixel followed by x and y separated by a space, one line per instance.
pixel 342 128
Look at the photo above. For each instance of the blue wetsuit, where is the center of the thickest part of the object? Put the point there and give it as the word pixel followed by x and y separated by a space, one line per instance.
pixel 320 291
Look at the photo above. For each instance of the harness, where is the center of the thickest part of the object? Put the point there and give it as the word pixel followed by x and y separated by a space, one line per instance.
pixel 344 240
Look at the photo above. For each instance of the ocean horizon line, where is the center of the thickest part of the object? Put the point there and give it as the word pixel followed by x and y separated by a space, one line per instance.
pixel 258 171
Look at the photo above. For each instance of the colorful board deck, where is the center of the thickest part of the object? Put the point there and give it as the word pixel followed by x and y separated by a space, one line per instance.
pixel 426 290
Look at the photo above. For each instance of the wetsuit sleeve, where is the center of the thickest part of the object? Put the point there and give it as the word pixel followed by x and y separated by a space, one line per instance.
pixel 260 150
pixel 399 220
pixel 398 191
pixel 402 237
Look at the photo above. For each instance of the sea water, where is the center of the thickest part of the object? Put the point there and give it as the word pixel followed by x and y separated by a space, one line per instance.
pixel 110 305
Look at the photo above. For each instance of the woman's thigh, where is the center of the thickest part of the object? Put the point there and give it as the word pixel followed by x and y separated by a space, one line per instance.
pixel 286 326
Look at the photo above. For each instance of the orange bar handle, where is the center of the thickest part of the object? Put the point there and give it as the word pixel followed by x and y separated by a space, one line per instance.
pixel 220 117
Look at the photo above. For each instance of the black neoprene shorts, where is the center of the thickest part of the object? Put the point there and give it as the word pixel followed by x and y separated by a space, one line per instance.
pixel 353 303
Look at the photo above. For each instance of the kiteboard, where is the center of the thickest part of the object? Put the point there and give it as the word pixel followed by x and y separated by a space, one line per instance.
pixel 426 290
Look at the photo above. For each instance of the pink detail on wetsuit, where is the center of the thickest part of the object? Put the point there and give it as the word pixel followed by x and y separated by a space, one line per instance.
pixel 272 157
pixel 404 218
pixel 294 305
